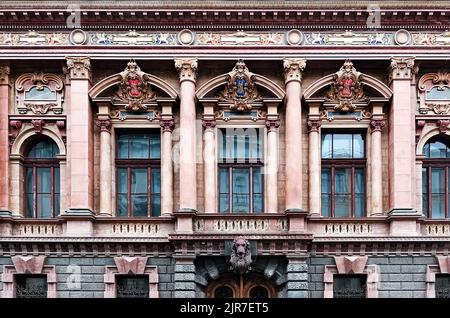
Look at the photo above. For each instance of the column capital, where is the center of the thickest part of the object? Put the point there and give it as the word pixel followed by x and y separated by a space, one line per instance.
pixel 314 125
pixel 293 69
pixel 272 124
pixel 4 74
pixel 187 69
pixel 104 125
pixel 208 124
pixel 167 124
pixel 377 125
pixel 79 68
pixel 402 68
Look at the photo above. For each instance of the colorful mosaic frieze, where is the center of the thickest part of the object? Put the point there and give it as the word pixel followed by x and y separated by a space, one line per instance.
pixel 240 38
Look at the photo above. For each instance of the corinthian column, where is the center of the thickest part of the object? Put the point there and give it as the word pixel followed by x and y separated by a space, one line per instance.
pixel 187 69
pixel 376 126
pixel 314 166
pixel 272 165
pixel 210 165
pixel 105 165
pixel 80 137
pixel 167 125
pixel 293 69
pixel 5 88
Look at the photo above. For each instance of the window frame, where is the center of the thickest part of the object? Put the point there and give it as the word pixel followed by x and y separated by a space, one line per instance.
pixel 362 277
pixel 342 163
pixel 34 164
pixel 429 164
pixel 136 163
pixel 241 163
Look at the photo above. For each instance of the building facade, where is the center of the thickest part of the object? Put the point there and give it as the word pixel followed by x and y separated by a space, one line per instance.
pixel 224 149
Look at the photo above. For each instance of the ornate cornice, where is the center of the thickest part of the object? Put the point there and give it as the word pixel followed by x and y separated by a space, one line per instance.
pixel 167 124
pixel 377 125
pixel 79 68
pixel 314 125
pixel 187 69
pixel 402 68
pixel 293 69
pixel 104 125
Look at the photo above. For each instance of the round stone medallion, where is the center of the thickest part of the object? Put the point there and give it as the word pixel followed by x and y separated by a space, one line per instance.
pixel 402 37
pixel 78 37
pixel 294 37
pixel 186 37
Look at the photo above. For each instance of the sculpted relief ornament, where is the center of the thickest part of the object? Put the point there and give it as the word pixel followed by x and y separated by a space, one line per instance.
pixel 434 93
pixel 134 88
pixel 39 93
pixel 346 89
pixel 241 257
pixel 240 89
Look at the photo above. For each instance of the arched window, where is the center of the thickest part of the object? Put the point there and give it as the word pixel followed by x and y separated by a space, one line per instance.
pixel 435 179
pixel 42 180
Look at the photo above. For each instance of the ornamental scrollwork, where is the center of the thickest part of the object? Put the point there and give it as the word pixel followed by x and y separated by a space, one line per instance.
pixel 134 88
pixel 240 88
pixel 346 89
pixel 39 93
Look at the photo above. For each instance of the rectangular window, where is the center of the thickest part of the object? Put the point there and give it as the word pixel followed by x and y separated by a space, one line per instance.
pixel 349 286
pixel 132 286
pixel 343 175
pixel 31 286
pixel 435 188
pixel 138 174
pixel 241 183
pixel 442 286
pixel 42 191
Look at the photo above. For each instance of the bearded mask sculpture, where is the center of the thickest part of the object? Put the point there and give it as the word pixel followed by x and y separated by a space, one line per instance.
pixel 241 257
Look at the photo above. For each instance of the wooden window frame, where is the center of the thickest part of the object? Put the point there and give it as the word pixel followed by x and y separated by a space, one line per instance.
pixel 129 164
pixel 429 164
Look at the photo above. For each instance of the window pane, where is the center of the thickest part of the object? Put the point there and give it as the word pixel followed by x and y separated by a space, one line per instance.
pixel 156 180
pixel 122 180
pixel 326 145
pixel 442 286
pixel 437 180
pixel 29 191
pixel 359 181
pixel 122 144
pixel 132 286
pixel 358 146
pixel 139 180
pixel 122 205
pixel 30 207
pixel 239 144
pixel 139 204
pixel 257 190
pixel 349 286
pixel 155 146
pixel 241 190
pixel 31 286
pixel 438 150
pixel 342 180
pixel 43 180
pixel 438 206
pixel 44 205
pixel 223 190
pixel 342 146
pixel 139 146
pixel 342 205
pixel 360 205
pixel 43 149
pixel 156 204
pixel 326 192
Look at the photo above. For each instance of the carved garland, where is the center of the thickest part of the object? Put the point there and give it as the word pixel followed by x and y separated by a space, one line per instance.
pixel 240 89
pixel 134 88
pixel 346 89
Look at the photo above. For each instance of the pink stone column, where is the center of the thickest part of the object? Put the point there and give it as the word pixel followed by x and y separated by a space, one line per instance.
pixel 401 136
pixel 188 171
pixel 293 69
pixel 105 166
pixel 5 88
pixel 210 165
pixel 167 125
pixel 81 138
pixel 271 172
pixel 314 166
pixel 376 126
